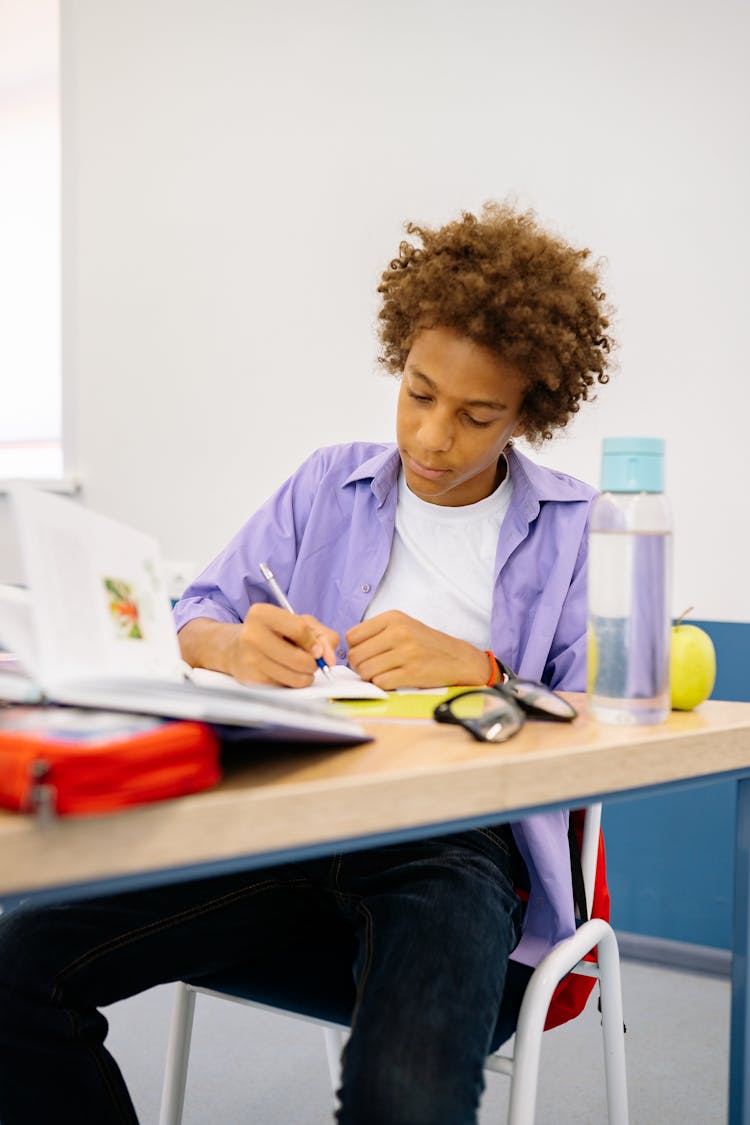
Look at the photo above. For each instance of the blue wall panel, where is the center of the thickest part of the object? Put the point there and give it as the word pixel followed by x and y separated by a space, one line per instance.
pixel 670 859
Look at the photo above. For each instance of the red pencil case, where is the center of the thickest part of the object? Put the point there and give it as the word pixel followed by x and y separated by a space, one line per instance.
pixel 67 760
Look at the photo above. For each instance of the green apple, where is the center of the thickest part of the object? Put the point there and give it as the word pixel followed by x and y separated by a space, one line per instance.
pixel 692 665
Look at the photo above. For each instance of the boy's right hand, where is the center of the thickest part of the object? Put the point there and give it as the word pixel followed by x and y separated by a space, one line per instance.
pixel 273 646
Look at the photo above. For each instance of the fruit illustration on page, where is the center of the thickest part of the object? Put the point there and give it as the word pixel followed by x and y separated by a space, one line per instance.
pixel 123 608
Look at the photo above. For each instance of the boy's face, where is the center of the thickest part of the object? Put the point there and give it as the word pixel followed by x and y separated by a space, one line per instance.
pixel 458 406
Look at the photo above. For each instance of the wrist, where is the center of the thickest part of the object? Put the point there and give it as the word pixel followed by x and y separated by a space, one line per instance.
pixel 470 666
pixel 205 643
pixel 227 650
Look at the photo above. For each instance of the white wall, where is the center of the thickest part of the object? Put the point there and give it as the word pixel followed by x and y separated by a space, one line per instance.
pixel 236 176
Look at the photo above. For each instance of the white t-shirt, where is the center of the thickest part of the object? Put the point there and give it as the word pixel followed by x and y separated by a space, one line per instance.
pixel 442 564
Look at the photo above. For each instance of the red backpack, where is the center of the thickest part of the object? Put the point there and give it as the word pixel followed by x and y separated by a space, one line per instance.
pixel 571 994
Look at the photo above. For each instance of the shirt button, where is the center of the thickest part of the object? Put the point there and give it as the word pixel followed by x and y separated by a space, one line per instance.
pixel 366 588
pixel 341 653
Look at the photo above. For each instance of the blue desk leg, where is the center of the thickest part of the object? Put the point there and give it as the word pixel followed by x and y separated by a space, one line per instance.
pixel 739 1058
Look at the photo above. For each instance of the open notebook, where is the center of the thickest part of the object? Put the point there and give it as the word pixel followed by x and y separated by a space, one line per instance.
pixel 94 628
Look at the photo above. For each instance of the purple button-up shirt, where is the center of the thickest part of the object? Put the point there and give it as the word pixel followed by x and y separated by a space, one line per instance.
pixel 327 534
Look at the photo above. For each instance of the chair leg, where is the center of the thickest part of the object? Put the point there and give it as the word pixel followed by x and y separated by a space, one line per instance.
pixel 613 1033
pixel 178 1051
pixel 334 1040
pixel 527 1051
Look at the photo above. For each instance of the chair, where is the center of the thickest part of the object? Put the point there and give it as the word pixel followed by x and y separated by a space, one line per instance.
pixel 319 989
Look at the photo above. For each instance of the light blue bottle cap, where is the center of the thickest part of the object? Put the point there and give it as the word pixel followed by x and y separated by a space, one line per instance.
pixel 633 464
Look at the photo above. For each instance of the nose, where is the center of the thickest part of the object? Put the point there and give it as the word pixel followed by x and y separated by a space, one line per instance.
pixel 436 431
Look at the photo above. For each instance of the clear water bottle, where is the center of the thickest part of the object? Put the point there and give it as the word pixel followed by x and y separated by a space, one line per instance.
pixel 630 586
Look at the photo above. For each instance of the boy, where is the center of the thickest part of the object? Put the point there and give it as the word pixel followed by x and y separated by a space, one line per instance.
pixel 419 564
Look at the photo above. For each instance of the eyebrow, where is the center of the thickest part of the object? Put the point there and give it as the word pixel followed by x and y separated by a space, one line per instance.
pixel 491 405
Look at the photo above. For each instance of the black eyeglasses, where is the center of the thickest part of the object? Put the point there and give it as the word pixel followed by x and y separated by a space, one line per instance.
pixel 494 714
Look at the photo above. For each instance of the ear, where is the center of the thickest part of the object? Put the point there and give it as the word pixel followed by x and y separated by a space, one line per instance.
pixel 520 430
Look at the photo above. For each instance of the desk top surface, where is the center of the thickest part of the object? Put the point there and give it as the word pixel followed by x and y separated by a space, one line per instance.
pixel 414 774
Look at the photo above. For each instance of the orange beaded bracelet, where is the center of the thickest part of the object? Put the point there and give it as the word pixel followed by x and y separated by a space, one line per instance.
pixel 494 670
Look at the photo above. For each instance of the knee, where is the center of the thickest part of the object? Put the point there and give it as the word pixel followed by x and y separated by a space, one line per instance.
pixel 32 950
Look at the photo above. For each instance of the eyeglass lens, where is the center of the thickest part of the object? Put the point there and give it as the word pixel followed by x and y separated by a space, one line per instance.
pixel 489 716
pixel 537 698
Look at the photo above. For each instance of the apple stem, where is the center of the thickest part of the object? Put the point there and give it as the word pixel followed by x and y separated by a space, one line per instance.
pixel 683 615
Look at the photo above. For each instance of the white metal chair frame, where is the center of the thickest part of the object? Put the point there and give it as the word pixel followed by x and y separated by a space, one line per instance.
pixel 523 1065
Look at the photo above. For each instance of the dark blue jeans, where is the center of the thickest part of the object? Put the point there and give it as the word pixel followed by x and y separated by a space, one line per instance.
pixel 430 926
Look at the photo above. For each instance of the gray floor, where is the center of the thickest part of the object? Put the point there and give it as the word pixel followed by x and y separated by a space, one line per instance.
pixel 249 1066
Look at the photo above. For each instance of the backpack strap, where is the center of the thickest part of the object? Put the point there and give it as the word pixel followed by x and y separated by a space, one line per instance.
pixel 576 871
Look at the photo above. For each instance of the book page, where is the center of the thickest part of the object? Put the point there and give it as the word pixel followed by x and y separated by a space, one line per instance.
pixel 17 626
pixel 98 599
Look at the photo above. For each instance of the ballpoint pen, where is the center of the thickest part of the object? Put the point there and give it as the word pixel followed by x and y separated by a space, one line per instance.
pixel 283 601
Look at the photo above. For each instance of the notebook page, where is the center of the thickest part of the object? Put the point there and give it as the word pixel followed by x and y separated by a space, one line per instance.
pixel 343 684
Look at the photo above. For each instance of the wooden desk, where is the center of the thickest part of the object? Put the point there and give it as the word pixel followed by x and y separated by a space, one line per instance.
pixel 414 779
pixel 415 775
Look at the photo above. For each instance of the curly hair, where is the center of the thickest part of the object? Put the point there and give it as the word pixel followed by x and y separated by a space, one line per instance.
pixel 515 289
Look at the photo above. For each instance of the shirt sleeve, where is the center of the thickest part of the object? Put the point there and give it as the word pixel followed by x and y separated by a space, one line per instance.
pixel 230 584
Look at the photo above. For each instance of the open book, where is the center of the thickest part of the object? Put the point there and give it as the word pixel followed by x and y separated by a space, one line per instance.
pixel 94 628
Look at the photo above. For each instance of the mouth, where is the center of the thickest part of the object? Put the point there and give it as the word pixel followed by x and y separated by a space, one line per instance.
pixel 425 471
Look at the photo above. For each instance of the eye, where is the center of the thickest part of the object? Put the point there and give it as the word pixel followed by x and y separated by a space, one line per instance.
pixel 419 398
pixel 476 422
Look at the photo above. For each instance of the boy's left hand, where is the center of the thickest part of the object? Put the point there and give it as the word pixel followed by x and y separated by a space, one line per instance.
pixel 394 650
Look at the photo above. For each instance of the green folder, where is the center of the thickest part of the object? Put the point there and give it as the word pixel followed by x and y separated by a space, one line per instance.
pixel 398 705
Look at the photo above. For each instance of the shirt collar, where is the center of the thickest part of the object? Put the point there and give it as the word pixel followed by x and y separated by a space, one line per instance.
pixel 532 483
pixel 382 470
pixel 538 483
